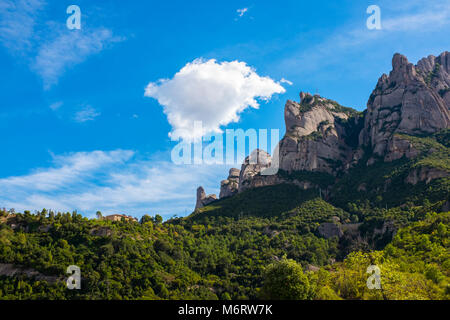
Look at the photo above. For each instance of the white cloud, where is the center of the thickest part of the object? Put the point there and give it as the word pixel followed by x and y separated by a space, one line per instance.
pixel 211 92
pixel 112 182
pixel 283 80
pixel 86 114
pixel 242 11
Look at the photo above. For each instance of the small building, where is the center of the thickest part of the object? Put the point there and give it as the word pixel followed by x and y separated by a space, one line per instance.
pixel 119 217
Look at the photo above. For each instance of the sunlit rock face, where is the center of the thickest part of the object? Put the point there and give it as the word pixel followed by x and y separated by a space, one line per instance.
pixel 323 136
pixel 230 186
pixel 316 132
pixel 411 100
pixel 250 175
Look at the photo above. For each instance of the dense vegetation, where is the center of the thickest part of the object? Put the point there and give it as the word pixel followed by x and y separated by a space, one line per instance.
pixel 383 183
pixel 228 257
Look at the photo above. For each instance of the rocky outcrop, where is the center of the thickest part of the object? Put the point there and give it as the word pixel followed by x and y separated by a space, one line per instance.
pixel 230 186
pixel 10 270
pixel 323 136
pixel 250 175
pixel 425 174
pixel 101 232
pixel 203 199
pixel 410 100
pixel 436 73
pixel 330 230
pixel 316 135
pixel 399 147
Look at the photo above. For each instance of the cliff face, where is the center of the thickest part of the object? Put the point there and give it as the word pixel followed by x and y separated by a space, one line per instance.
pixel 250 176
pixel 316 135
pixel 230 186
pixel 324 137
pixel 411 100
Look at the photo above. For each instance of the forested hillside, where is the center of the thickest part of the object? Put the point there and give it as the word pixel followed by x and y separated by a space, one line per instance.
pixel 245 254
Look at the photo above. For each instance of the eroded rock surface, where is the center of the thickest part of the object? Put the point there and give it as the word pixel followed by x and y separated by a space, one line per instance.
pixel 230 186
pixel 323 136
pixel 411 100
pixel 425 174
pixel 203 199
pixel 10 270
pixel 254 164
pixel 316 132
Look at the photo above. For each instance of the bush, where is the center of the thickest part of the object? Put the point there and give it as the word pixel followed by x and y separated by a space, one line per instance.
pixel 285 280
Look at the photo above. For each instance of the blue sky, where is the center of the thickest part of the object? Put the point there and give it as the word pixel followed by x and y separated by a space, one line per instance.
pixel 80 131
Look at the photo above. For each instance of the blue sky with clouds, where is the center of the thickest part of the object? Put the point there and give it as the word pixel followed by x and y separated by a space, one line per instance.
pixel 86 115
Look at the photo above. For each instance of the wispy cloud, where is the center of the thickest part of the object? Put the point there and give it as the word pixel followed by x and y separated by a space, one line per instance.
pixel 430 17
pixel 68 170
pixel 49 47
pixel 283 80
pixel 345 45
pixel 67 49
pixel 86 114
pixel 17 23
pixel 112 182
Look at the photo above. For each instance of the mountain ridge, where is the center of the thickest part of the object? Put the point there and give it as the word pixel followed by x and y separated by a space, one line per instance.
pixel 324 137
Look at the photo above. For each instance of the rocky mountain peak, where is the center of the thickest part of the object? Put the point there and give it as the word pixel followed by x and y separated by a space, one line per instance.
pixel 315 135
pixel 402 69
pixel 323 136
pixel 411 100
pixel 203 199
pixel 306 98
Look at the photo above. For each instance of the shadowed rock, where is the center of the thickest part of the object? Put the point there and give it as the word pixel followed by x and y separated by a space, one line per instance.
pixel 202 199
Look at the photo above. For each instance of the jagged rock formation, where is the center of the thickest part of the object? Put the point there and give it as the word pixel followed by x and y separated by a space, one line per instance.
pixel 230 186
pixel 436 72
pixel 316 132
pixel 202 199
pixel 324 137
pixel 251 169
pixel 411 100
